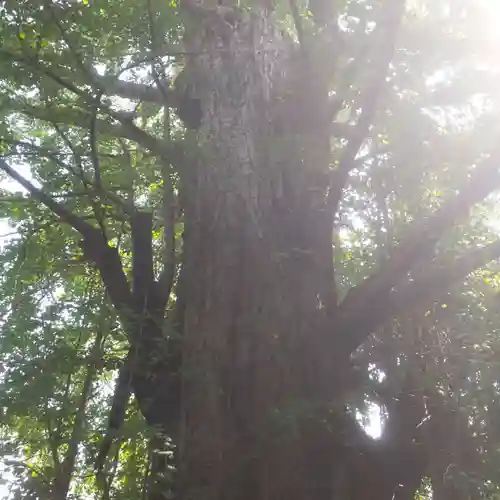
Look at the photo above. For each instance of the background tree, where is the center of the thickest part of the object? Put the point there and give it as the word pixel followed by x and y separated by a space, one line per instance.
pixel 263 273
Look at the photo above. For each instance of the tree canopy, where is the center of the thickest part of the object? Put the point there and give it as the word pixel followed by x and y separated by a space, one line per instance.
pixel 121 216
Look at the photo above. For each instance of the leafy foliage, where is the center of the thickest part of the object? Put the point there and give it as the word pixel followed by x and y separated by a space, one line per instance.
pixel 106 152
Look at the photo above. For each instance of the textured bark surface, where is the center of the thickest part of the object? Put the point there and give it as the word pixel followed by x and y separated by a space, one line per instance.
pixel 266 346
pixel 257 240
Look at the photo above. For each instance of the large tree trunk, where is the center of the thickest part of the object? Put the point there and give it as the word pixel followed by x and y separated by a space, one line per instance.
pixel 259 374
pixel 264 361
pixel 258 270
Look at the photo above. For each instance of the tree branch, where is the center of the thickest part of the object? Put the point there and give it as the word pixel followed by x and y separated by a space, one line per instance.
pixel 108 262
pixel 438 280
pixel 79 118
pixel 84 228
pixel 138 91
pixel 358 315
pixel 387 29
pixel 95 246
pixel 90 187
pixel 110 84
pixel 166 278
pixel 167 275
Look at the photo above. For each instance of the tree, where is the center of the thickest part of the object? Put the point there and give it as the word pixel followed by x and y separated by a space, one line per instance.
pixel 247 336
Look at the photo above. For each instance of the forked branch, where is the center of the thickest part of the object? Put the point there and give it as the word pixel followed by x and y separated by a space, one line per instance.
pixel 363 308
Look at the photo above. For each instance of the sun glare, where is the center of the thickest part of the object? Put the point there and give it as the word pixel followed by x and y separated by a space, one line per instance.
pixel 485 20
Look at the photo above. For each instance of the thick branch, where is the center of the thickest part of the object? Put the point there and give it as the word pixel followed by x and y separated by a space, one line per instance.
pixel 110 84
pixel 137 91
pixel 438 280
pixel 169 211
pixel 108 262
pixel 95 246
pixel 54 73
pixel 84 228
pixel 79 118
pixel 360 312
pixel 90 186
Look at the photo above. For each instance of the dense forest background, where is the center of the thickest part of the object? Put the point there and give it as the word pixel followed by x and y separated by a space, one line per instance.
pixel 250 251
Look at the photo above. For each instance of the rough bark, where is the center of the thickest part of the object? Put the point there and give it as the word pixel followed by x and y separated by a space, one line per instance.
pixel 258 264
pixel 261 402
